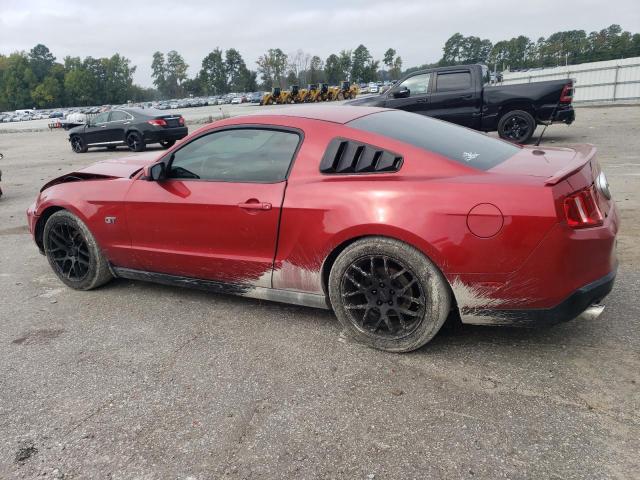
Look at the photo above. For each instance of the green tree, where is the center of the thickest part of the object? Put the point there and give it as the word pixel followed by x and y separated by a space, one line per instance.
pixel 79 87
pixel 235 69
pixel 159 72
pixel 389 55
pixel 344 61
pixel 48 93
pixel 18 81
pixel 272 67
pixel 332 70
pixel 41 60
pixel 360 63
pixel 315 74
pixel 213 74
pixel 176 73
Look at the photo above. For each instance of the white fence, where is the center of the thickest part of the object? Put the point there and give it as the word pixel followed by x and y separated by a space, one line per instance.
pixel 609 81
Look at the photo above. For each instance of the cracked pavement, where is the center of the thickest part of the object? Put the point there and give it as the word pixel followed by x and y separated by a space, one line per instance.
pixel 144 381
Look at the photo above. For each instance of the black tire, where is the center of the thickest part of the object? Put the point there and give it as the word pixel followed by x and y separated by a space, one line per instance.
pixel 517 126
pixel 167 143
pixel 135 142
pixel 396 302
pixel 73 253
pixel 78 145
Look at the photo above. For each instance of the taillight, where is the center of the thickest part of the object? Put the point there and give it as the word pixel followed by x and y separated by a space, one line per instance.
pixel 566 96
pixel 158 122
pixel 181 121
pixel 581 209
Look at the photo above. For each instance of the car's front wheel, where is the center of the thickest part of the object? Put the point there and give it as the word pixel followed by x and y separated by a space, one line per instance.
pixel 73 253
pixel 388 295
pixel 135 142
pixel 78 145
pixel 167 143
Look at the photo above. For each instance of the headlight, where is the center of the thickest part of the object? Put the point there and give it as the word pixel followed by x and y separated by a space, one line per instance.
pixel 603 185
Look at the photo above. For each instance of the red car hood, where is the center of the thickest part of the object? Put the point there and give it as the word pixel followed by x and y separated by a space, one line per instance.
pixel 550 163
pixel 121 167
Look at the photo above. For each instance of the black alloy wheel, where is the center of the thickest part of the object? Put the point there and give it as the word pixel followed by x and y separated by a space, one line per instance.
pixel 69 252
pixel 135 142
pixel 78 145
pixel 516 128
pixel 382 297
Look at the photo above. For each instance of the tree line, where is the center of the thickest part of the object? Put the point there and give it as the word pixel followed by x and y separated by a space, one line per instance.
pixel 224 72
pixel 561 48
pixel 36 79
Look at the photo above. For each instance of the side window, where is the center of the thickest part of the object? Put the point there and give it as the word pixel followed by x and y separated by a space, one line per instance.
pixel 101 118
pixel 448 82
pixel 237 155
pixel 417 85
pixel 118 115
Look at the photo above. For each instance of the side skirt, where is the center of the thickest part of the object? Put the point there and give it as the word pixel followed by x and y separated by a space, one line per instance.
pixel 243 290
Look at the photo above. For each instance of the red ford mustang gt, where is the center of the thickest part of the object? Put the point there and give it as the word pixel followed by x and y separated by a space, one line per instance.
pixel 393 220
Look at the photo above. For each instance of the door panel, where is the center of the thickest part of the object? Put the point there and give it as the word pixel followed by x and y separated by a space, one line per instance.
pixel 418 99
pixel 456 99
pixel 216 214
pixel 116 126
pixel 201 229
pixel 98 131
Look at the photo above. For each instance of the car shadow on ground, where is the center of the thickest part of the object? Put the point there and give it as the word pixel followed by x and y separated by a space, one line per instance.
pixel 453 336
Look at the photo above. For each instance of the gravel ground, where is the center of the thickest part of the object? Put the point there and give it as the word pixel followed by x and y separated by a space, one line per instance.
pixel 141 381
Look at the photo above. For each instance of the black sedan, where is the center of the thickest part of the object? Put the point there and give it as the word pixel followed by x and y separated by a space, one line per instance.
pixel 131 127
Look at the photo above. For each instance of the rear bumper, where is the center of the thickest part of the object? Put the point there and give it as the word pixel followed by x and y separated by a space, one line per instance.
pixel 577 303
pixel 162 134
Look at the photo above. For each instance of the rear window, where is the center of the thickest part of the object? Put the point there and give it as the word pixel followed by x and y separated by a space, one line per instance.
pixel 448 82
pixel 456 143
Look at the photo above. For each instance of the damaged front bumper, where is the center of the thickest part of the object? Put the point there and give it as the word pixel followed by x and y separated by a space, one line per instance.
pixel 585 300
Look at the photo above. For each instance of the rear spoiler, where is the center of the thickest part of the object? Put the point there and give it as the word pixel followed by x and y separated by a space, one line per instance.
pixel 584 154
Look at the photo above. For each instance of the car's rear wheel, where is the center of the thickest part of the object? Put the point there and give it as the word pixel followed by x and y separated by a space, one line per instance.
pixel 167 143
pixel 135 142
pixel 78 145
pixel 73 253
pixel 388 295
pixel 516 126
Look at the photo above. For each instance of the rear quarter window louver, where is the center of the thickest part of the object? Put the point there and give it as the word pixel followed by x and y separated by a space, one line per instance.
pixel 348 156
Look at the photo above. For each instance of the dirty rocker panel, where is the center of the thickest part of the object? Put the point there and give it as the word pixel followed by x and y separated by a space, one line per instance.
pixel 244 290
pixel 568 309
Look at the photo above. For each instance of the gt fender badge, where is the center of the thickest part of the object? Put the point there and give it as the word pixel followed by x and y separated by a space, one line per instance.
pixel 109 220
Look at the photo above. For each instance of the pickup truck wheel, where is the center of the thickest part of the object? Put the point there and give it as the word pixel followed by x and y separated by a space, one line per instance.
pixel 516 126
pixel 388 295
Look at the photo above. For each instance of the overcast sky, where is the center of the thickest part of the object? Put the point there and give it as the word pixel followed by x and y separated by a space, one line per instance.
pixel 416 29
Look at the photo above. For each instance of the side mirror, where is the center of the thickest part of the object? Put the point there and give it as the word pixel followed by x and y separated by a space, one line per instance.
pixel 402 92
pixel 154 173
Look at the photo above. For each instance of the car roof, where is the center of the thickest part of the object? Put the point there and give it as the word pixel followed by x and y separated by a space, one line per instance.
pixel 328 113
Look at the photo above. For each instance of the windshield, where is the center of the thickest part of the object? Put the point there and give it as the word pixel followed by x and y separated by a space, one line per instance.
pixel 456 143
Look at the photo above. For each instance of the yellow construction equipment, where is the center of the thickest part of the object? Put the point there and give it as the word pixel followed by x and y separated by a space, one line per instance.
pixel 334 94
pixel 298 94
pixel 312 93
pixel 324 92
pixel 348 91
pixel 271 97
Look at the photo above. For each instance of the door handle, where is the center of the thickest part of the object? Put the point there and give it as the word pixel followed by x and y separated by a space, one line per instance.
pixel 255 206
pixel 103 126
pixel 422 100
pixel 467 97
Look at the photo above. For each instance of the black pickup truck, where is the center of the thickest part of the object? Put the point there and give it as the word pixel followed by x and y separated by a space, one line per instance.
pixel 459 95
